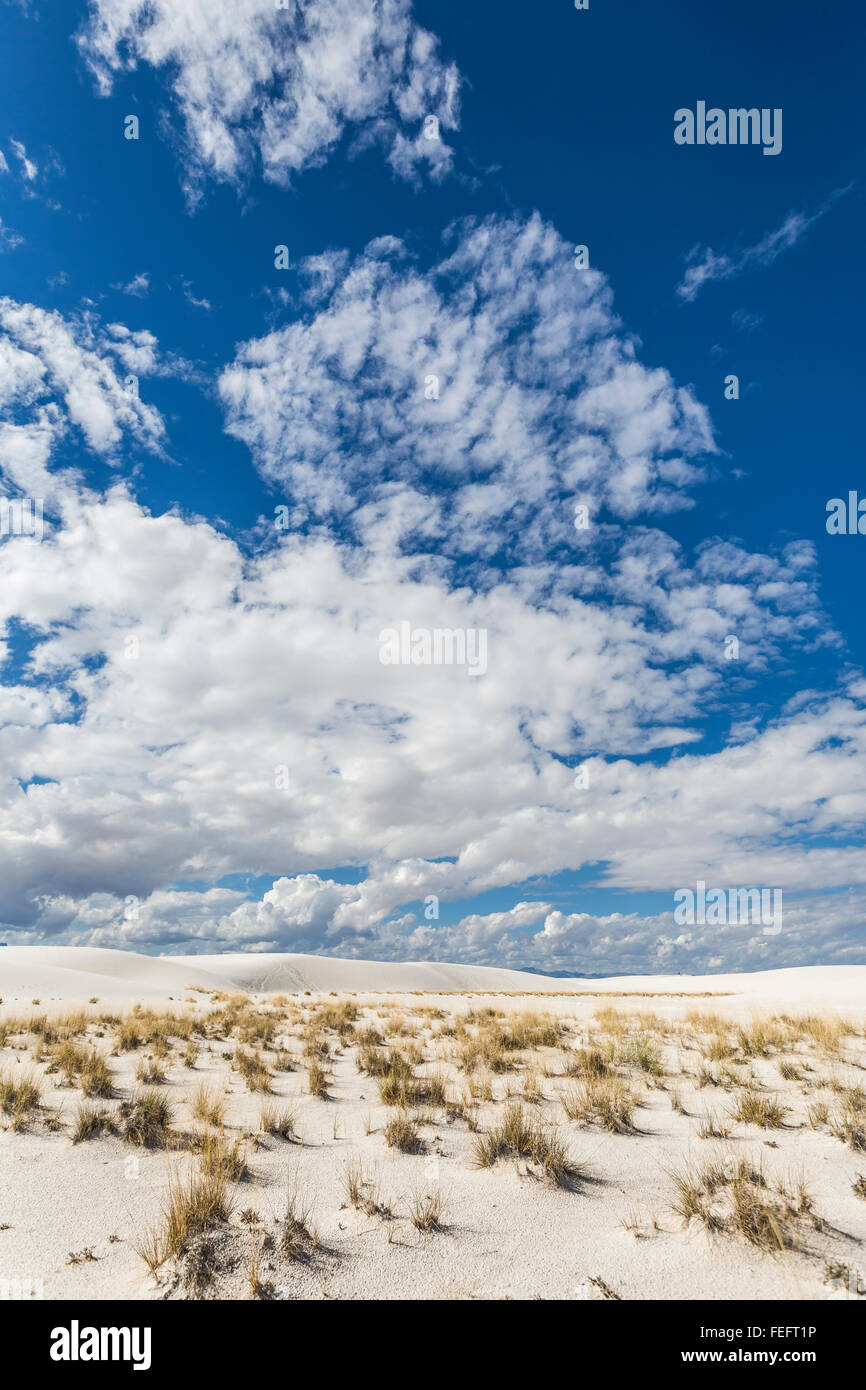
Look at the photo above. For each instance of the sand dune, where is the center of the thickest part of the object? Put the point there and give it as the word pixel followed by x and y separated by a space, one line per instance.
pixel 75 974
pixel 78 1199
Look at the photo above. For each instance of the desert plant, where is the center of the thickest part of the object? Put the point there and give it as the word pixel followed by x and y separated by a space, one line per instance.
pixel 253 1069
pixel 519 1135
pixel 223 1158
pixel 149 1071
pixel 20 1096
pixel 426 1210
pixel 317 1079
pixel 401 1132
pixel 641 1050
pixel 90 1122
pixel 754 1109
pixel 146 1119
pixel 193 1203
pixel 586 1062
pixel 280 1121
pixel 208 1106
pixel 297 1238
pixel 711 1127
pixel 607 1101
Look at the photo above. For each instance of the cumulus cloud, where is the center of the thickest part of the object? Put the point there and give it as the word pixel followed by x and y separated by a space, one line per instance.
pixel 221 714
pixel 303 915
pixel 473 400
pixel 283 84
pixel 56 371
pixel 179 708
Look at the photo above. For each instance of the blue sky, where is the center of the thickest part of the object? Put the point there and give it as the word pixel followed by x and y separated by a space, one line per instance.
pixel 201 748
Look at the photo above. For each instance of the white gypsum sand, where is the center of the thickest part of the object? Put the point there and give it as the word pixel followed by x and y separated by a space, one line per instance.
pixel 650 1137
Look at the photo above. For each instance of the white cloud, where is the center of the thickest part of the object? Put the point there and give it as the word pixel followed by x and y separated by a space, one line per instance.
pixel 171 674
pixel 138 286
pixel 303 915
pixel 46 359
pixel 477 399
pixel 29 167
pixel 195 675
pixel 283 85
pixel 9 238
pixel 704 265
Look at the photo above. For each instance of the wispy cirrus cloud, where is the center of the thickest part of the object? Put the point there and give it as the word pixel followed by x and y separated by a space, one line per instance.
pixel 705 265
pixel 29 168
pixel 9 238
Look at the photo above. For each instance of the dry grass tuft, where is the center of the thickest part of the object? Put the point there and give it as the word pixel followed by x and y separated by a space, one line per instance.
pixel 317 1079
pixel 91 1121
pixel 519 1135
pixel 426 1210
pixel 146 1119
pixel 401 1132
pixel 253 1069
pixel 20 1096
pixel 607 1101
pixel 208 1105
pixel 754 1109
pixel 298 1238
pixel 223 1158
pixel 194 1202
pixel 730 1195
pixel 149 1071
pixel 280 1121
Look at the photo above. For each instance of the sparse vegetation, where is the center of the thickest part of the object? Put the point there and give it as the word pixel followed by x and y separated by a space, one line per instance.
pixel 20 1096
pixel 149 1071
pixel 194 1202
pixel 401 1132
pixel 91 1121
pixel 519 1135
pixel 146 1119
pixel 223 1158
pixel 607 1101
pixel 754 1109
pixel 317 1079
pixel 482 1080
pixel 279 1120
pixel 209 1106
pixel 298 1238
pixel 426 1209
